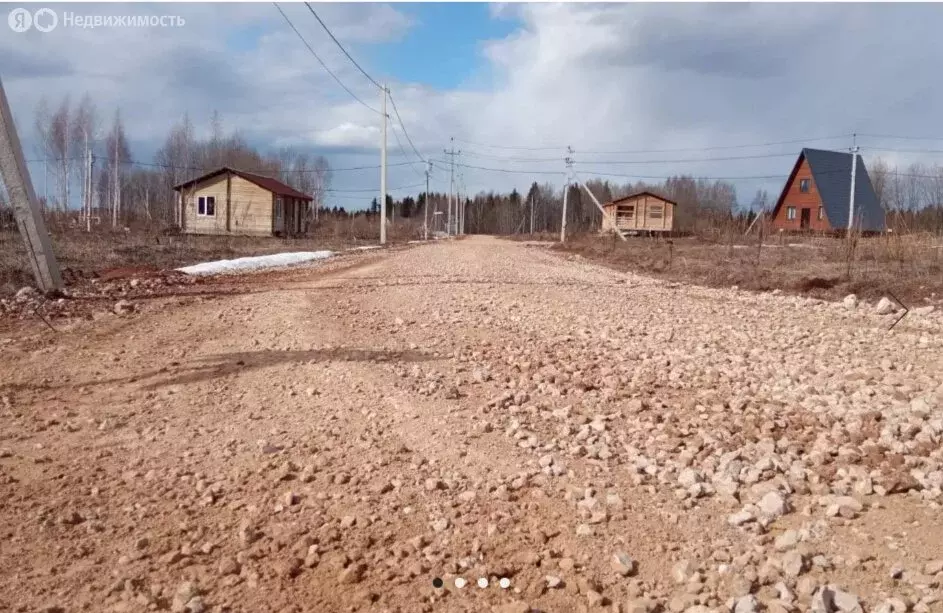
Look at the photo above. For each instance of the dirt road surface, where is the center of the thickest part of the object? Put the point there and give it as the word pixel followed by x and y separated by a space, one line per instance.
pixel 336 437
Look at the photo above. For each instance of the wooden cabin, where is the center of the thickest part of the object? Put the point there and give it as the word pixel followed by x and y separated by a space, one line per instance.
pixel 817 194
pixel 641 212
pixel 232 202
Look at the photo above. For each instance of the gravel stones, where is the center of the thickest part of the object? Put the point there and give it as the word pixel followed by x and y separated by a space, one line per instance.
pixel 773 505
pixel 622 563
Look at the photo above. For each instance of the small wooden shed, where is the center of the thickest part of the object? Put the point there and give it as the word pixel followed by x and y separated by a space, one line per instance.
pixel 235 202
pixel 641 212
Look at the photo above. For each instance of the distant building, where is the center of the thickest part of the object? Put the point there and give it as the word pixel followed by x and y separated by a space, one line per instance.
pixel 641 212
pixel 233 202
pixel 816 195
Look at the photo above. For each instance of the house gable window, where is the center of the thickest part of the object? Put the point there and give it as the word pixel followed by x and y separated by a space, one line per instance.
pixel 821 212
pixel 804 185
pixel 790 212
pixel 206 206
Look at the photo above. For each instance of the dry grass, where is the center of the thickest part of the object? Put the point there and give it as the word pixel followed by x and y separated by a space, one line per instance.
pixel 366 228
pixel 910 267
pixel 82 254
pixel 536 237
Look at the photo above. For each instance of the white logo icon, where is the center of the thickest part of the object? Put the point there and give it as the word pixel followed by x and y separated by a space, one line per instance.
pixel 460 582
pixel 20 20
pixel 482 582
pixel 45 20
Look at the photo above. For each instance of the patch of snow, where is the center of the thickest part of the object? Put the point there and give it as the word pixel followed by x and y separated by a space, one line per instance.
pixel 365 248
pixel 258 262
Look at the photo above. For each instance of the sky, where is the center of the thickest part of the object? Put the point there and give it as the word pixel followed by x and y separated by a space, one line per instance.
pixel 639 91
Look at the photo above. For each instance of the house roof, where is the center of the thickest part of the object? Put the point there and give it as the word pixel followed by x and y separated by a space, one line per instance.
pixel 831 171
pixel 273 185
pixel 642 193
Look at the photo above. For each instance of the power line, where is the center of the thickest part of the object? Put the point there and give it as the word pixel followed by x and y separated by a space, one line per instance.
pixel 927 138
pixel 679 150
pixel 925 151
pixel 405 133
pixel 499 158
pixel 715 159
pixel 400 145
pixel 320 61
pixel 506 170
pixel 374 190
pixel 211 168
pixel 782 176
pixel 329 33
pixel 468 142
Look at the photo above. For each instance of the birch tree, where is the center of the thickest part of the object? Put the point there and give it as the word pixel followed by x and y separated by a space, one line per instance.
pixel 60 146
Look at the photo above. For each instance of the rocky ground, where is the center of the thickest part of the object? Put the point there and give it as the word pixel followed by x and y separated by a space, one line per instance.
pixel 336 437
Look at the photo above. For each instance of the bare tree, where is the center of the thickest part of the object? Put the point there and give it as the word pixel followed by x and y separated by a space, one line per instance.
pixel 760 202
pixel 176 161
pixel 879 171
pixel 116 159
pixel 321 182
pixel 913 189
pixel 43 124
pixel 60 146
pixel 84 133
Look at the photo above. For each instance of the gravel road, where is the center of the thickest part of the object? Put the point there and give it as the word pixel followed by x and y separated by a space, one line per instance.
pixel 336 437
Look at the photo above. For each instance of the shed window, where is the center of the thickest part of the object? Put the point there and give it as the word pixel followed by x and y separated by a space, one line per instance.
pixel 656 211
pixel 803 185
pixel 790 212
pixel 206 205
pixel 625 211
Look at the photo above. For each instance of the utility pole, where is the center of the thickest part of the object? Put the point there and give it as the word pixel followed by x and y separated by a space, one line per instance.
pixel 90 164
pixel 451 153
pixel 461 203
pixel 117 184
pixel 29 220
pixel 383 172
pixel 425 213
pixel 114 189
pixel 533 196
pixel 568 160
pixel 851 197
pixel 86 183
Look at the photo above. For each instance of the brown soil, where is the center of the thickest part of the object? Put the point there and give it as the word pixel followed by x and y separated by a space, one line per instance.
pixel 333 437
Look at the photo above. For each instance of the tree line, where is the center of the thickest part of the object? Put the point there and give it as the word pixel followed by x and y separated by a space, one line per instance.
pixel 912 198
pixel 88 166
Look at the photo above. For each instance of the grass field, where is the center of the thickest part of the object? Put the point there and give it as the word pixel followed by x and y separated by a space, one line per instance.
pixel 909 267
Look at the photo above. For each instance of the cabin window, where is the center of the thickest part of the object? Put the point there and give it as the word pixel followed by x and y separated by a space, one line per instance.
pixel 790 212
pixel 656 211
pixel 803 185
pixel 821 213
pixel 206 206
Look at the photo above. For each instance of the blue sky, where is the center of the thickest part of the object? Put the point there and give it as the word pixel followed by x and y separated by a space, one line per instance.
pixel 443 47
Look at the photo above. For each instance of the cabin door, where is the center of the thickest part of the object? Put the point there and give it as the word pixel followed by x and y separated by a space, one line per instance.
pixel 805 219
pixel 279 221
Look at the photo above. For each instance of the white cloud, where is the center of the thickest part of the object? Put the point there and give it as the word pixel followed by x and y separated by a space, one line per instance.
pixel 598 77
